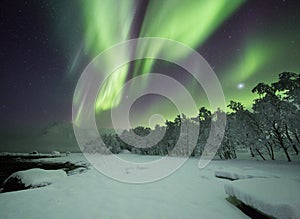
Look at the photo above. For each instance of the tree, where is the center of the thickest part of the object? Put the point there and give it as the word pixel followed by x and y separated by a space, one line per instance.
pixel 252 135
pixel 289 86
pixel 269 110
pixel 204 121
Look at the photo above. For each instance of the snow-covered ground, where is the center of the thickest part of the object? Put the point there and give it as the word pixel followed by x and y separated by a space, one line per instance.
pixel 189 192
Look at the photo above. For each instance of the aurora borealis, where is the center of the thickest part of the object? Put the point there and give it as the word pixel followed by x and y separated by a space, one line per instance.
pixel 103 30
pixel 173 20
pixel 45 45
pixel 177 18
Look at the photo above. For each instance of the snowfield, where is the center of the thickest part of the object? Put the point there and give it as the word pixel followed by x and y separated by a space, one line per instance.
pixel 189 192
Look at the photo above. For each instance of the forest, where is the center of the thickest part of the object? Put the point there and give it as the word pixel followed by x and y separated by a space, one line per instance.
pixel 270 127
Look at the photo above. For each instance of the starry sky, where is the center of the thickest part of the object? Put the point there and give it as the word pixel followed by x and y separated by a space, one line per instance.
pixel 45 46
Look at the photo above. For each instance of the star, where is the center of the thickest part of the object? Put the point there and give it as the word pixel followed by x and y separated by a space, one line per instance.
pixel 241 86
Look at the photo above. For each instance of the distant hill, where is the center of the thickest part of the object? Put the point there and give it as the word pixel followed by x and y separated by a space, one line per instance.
pixel 56 137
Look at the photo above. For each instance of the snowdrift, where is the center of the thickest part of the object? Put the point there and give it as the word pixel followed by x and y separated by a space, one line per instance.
pixel 235 173
pixel 274 197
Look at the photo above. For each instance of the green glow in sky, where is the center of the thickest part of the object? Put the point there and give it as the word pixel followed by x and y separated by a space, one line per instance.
pixel 254 64
pixel 188 22
pixel 109 22
pixel 254 56
pixel 108 96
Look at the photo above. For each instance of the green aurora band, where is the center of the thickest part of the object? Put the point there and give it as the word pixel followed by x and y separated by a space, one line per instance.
pixel 252 60
pixel 255 55
pixel 103 30
pixel 261 58
pixel 110 21
pixel 188 22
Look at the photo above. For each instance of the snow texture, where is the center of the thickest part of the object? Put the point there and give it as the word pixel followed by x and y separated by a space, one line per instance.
pixel 235 173
pixel 274 197
pixel 189 192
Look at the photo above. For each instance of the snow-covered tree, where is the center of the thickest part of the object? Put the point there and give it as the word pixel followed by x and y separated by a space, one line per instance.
pixel 273 114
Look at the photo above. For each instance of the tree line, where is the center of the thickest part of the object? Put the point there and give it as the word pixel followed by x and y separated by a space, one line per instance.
pixel 270 127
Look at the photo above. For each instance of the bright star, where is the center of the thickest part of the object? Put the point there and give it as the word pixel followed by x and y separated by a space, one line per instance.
pixel 240 85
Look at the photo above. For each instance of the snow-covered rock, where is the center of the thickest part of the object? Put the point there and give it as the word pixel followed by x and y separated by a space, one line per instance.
pixel 68 153
pixel 236 173
pixel 55 153
pixel 125 151
pixel 274 197
pixel 31 178
pixel 34 152
pixel 77 171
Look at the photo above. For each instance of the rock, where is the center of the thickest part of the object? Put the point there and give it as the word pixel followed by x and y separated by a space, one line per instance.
pixel 55 153
pixel 34 152
pixel 125 151
pixel 31 178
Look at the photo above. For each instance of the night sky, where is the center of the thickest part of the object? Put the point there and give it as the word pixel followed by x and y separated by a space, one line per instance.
pixel 45 47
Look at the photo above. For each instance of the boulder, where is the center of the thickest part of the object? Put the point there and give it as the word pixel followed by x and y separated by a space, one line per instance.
pixel 31 178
